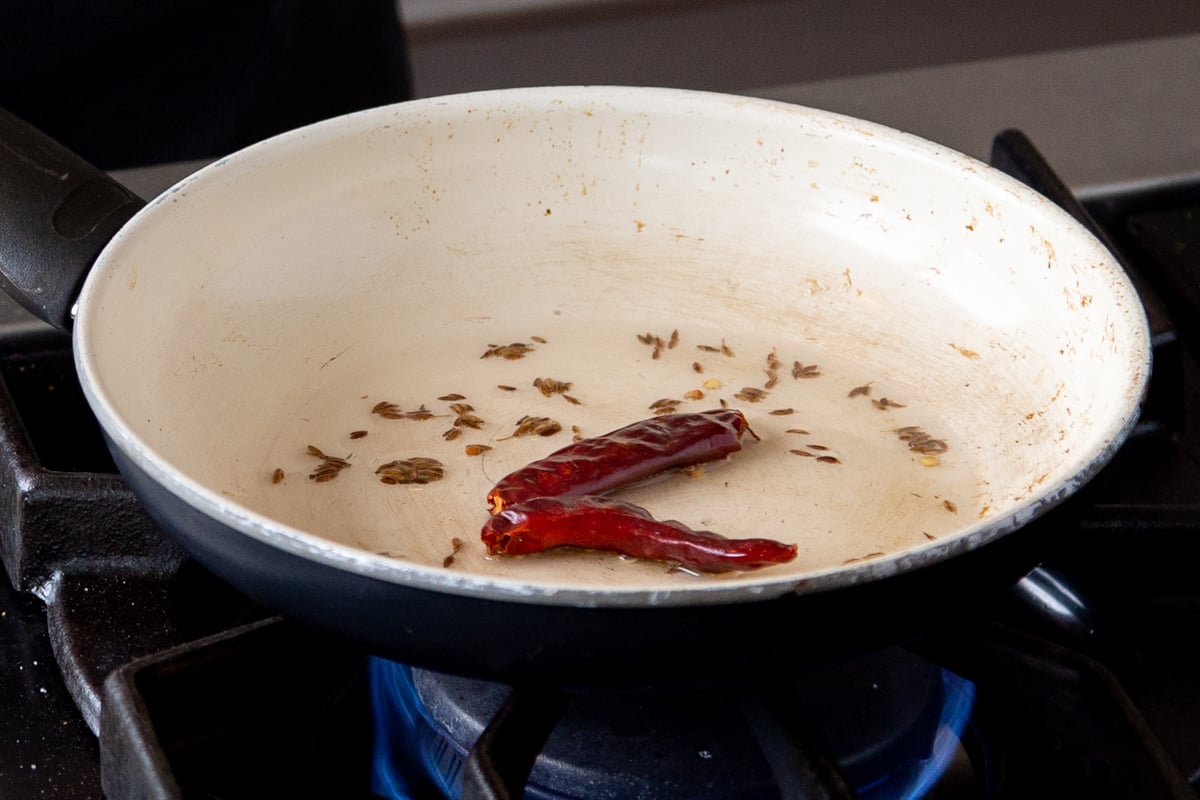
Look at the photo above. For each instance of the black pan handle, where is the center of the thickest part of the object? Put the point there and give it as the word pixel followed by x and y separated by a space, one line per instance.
pixel 57 212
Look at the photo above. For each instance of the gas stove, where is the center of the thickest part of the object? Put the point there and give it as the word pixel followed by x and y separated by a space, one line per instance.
pixel 129 671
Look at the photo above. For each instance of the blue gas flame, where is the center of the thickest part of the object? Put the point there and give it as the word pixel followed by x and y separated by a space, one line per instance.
pixel 409 751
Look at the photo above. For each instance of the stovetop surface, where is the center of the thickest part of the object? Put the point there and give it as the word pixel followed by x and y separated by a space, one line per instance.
pixel 1116 633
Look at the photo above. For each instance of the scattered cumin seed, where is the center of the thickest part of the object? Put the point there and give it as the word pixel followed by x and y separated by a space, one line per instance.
pixel 536 426
pixel 277 476
pixel 800 431
pixel 772 379
pixel 884 404
pixel 673 342
pixel 452 396
pixel 550 386
pixel 329 468
pixel 708 348
pixel 538 339
pixel 864 390
pixel 828 460
pixel 420 470
pixel 949 506
pixel 750 394
pixel 392 411
pixel 804 453
pixel 665 406
pixel 726 350
pixel 697 367
pixel 694 394
pixel 450 434
pixel 781 412
pixel 456 544
pixel 357 434
pixel 572 400
pixel 921 442
pixel 800 370
pixel 504 388
pixel 817 447
pixel 510 352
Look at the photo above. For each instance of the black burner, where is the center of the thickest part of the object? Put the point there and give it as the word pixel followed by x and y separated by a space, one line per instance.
pixel 890 720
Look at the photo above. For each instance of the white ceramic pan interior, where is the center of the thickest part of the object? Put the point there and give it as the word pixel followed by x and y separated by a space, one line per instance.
pixel 274 299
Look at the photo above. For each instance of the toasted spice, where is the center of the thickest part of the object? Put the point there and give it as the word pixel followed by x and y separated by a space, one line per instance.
pixel 477 449
pixel 550 386
pixel 665 405
pixel 864 390
pixel 392 411
pixel 277 476
pixel 420 470
pixel 511 352
pixel 357 434
pixel 781 412
pixel 536 426
pixel 921 442
pixel 800 370
pixel 750 394
pixel 883 404
pixel 452 396
pixel 456 544
pixel 329 468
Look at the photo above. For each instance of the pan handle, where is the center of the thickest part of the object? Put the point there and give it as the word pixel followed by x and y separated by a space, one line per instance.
pixel 59 212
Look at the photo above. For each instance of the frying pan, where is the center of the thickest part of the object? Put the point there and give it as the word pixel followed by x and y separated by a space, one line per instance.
pixel 344 289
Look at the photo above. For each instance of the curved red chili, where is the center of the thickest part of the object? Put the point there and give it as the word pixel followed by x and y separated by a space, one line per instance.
pixel 604 523
pixel 600 464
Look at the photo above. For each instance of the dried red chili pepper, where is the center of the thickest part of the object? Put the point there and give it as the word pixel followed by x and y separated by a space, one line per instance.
pixel 604 523
pixel 600 464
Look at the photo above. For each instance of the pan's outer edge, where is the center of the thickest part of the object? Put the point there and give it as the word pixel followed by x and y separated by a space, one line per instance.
pixel 298 542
